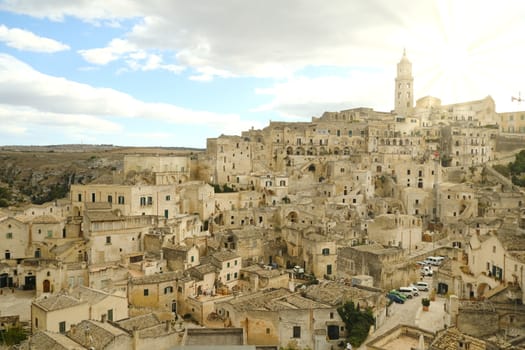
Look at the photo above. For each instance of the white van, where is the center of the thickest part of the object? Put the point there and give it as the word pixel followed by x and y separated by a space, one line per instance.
pixel 406 291
pixel 435 260
pixel 422 286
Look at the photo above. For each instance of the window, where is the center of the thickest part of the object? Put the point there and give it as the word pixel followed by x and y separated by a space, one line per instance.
pixel 80 197
pixel 494 249
pixel 166 213
pixel 110 315
pixel 93 197
pixel 228 264
pixel 192 259
pixel 267 330
pixel 228 277
pixel 36 322
pixel 168 198
pixel 235 262
pixel 110 199
pixel 328 269
pixel 326 251
pixel 296 332
pixel 121 200
pixel 168 290
pixel 108 239
pixel 142 201
pixel 62 327
pixel 9 235
pixel 150 200
pixel 146 292
pixel 49 234
pixel 235 275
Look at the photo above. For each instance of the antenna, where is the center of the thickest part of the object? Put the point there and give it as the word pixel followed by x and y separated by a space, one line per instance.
pixel 519 99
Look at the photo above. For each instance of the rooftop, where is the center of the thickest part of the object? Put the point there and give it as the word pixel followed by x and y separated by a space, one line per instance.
pixel 57 302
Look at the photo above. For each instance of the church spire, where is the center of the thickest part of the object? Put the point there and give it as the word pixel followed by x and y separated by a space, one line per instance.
pixel 404 88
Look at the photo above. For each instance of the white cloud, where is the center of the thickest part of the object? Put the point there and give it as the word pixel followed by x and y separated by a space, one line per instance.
pixel 307 97
pixel 27 41
pixel 136 59
pixel 30 100
pixel 477 41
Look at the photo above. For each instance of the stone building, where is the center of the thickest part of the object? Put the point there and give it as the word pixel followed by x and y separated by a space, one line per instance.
pixel 387 265
pixel 282 318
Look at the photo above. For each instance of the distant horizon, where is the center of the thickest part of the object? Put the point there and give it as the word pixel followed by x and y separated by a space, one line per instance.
pixel 178 73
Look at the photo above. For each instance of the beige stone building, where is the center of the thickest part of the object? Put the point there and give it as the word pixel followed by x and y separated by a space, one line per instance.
pixel 282 318
pixel 57 313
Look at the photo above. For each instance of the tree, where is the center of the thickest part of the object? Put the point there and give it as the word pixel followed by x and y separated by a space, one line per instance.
pixel 12 336
pixel 357 322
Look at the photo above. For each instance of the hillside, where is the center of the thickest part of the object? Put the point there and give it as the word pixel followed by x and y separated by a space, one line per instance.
pixel 38 174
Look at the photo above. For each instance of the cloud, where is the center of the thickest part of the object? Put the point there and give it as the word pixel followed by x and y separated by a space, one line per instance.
pixel 26 41
pixel 136 59
pixel 279 40
pixel 306 97
pixel 30 100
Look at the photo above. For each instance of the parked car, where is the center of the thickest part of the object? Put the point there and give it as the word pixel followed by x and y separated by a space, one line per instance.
pixel 401 295
pixel 415 291
pixel 407 291
pixel 298 269
pixel 395 298
pixel 426 271
pixel 422 286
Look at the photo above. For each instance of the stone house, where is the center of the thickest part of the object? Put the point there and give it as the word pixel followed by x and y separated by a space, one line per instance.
pixel 103 305
pixel 282 318
pixel 111 234
pixel 319 254
pixel 248 242
pixel 181 257
pixel 100 335
pixel 387 265
pixel 54 276
pixel 166 169
pixel 404 231
pixel 254 278
pixel 455 202
pixel 228 266
pixel 15 236
pixel 153 292
pixel 57 313
pixel 496 258
pixel 149 331
pixel 107 276
pixel 155 200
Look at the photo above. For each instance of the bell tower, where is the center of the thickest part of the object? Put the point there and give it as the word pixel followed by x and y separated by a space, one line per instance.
pixel 404 91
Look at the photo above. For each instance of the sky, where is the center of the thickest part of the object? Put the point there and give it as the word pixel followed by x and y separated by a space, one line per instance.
pixel 173 73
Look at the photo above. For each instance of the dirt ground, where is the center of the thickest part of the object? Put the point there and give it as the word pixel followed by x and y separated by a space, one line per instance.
pixel 16 302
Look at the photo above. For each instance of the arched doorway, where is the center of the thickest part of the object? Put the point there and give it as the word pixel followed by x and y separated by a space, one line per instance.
pixel 46 286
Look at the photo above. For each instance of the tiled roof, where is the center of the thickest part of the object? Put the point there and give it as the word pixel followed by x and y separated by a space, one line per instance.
pixel 57 302
pixel 95 334
pixel 275 300
pixel 451 337
pixel 45 219
pixel 156 278
pixel 139 322
pixel 225 255
pixel 92 296
pixel 45 340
